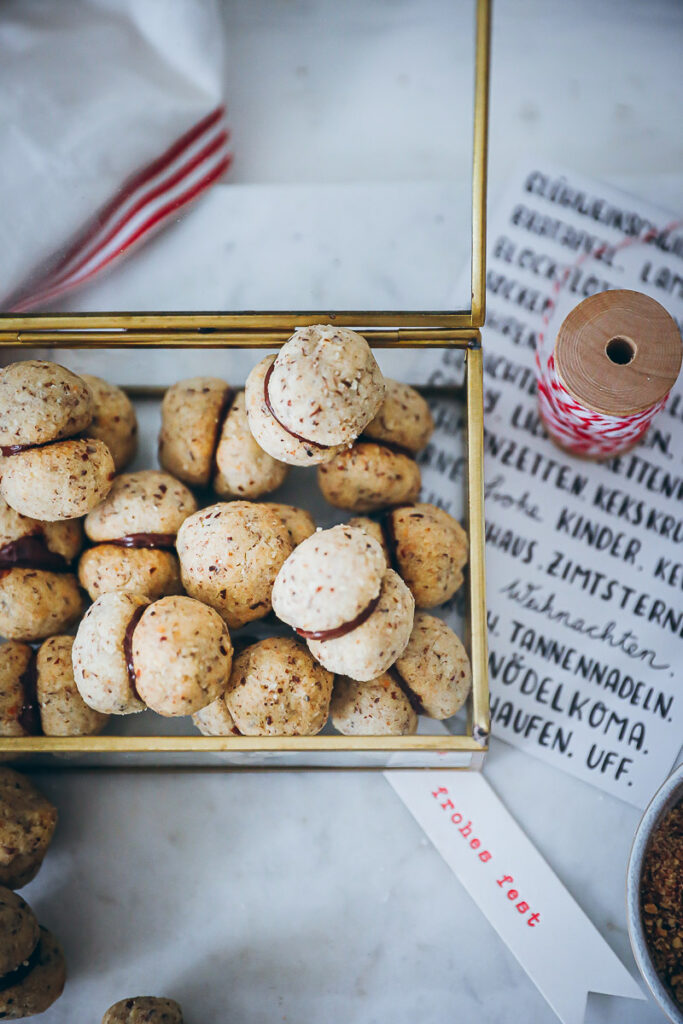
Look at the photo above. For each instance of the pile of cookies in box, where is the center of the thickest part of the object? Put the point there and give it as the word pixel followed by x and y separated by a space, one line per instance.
pixel 178 561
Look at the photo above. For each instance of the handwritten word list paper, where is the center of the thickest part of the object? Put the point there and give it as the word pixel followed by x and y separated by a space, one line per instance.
pixel 585 560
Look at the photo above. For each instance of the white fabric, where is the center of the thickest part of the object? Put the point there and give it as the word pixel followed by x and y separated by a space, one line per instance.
pixel 89 93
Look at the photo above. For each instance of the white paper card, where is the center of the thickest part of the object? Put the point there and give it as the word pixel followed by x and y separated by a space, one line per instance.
pixel 584 560
pixel 554 941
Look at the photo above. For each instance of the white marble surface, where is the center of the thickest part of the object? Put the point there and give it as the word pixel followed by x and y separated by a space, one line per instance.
pixel 315 897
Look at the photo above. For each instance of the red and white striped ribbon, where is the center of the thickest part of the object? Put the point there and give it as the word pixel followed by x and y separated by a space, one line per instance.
pixel 142 206
pixel 575 426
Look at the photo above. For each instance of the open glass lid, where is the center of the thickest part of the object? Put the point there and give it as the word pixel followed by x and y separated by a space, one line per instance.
pixel 278 162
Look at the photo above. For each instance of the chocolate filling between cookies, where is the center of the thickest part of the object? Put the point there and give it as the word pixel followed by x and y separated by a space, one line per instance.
pixel 128 649
pixel 7 450
pixel 414 699
pixel 345 628
pixel 32 552
pixel 29 713
pixel 21 972
pixel 388 528
pixel 292 433
pixel 145 540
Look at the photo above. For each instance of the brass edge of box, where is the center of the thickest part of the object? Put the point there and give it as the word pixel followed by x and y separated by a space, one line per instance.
pixel 232 744
pixel 166 334
pixel 480 724
pixel 480 161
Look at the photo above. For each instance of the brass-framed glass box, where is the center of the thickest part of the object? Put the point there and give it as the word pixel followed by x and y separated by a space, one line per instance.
pixel 65 333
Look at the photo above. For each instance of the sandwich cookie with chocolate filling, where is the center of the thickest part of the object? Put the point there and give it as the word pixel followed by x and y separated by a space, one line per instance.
pixel 181 656
pixel 380 469
pixel 243 468
pixel 47 473
pixel 134 530
pixel 315 397
pixel 404 419
pixel 426 545
pixel 113 420
pixel 434 669
pixel 369 476
pixel 62 710
pixel 102 654
pixel 32 966
pixel 38 693
pixel 144 1010
pixel 27 824
pixel 277 689
pixel 215 719
pixel 230 554
pixel 337 593
pixel 39 593
pixel 205 437
pixel 376 708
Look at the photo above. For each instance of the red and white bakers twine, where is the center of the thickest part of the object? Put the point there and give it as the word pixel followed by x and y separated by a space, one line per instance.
pixel 585 431
pixel 142 206
pixel 570 414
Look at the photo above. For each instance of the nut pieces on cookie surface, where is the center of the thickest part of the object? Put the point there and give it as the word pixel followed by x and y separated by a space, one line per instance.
pixel 32 966
pixel 48 472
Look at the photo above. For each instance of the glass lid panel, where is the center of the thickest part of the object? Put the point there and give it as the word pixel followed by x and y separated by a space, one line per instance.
pixel 262 156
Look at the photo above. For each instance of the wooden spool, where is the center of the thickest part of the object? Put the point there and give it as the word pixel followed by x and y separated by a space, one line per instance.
pixel 618 353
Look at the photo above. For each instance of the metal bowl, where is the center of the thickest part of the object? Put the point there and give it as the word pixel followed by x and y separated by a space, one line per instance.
pixel 664 799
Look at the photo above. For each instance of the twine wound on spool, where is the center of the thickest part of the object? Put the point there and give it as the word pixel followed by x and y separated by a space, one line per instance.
pixel 616 357
pixel 570 421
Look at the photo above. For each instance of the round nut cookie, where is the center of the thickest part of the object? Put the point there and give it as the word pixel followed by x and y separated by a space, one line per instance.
pixel 63 480
pixel 277 689
pixel 181 656
pixel 369 476
pixel 36 604
pixel 215 719
pixel 40 981
pixel 191 416
pixel 298 521
pixel 150 505
pixel 41 402
pixel 376 708
pixel 404 418
pixel 152 572
pixel 27 824
pixel 27 543
pixel 435 668
pixel 325 384
pixel 282 444
pixel 230 554
pixel 17 668
pixel 366 650
pixel 136 526
pixel 243 468
pixel 374 529
pixel 429 550
pixel 19 933
pixel 144 1010
pixel 102 654
pixel 329 580
pixel 63 712
pixel 113 420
